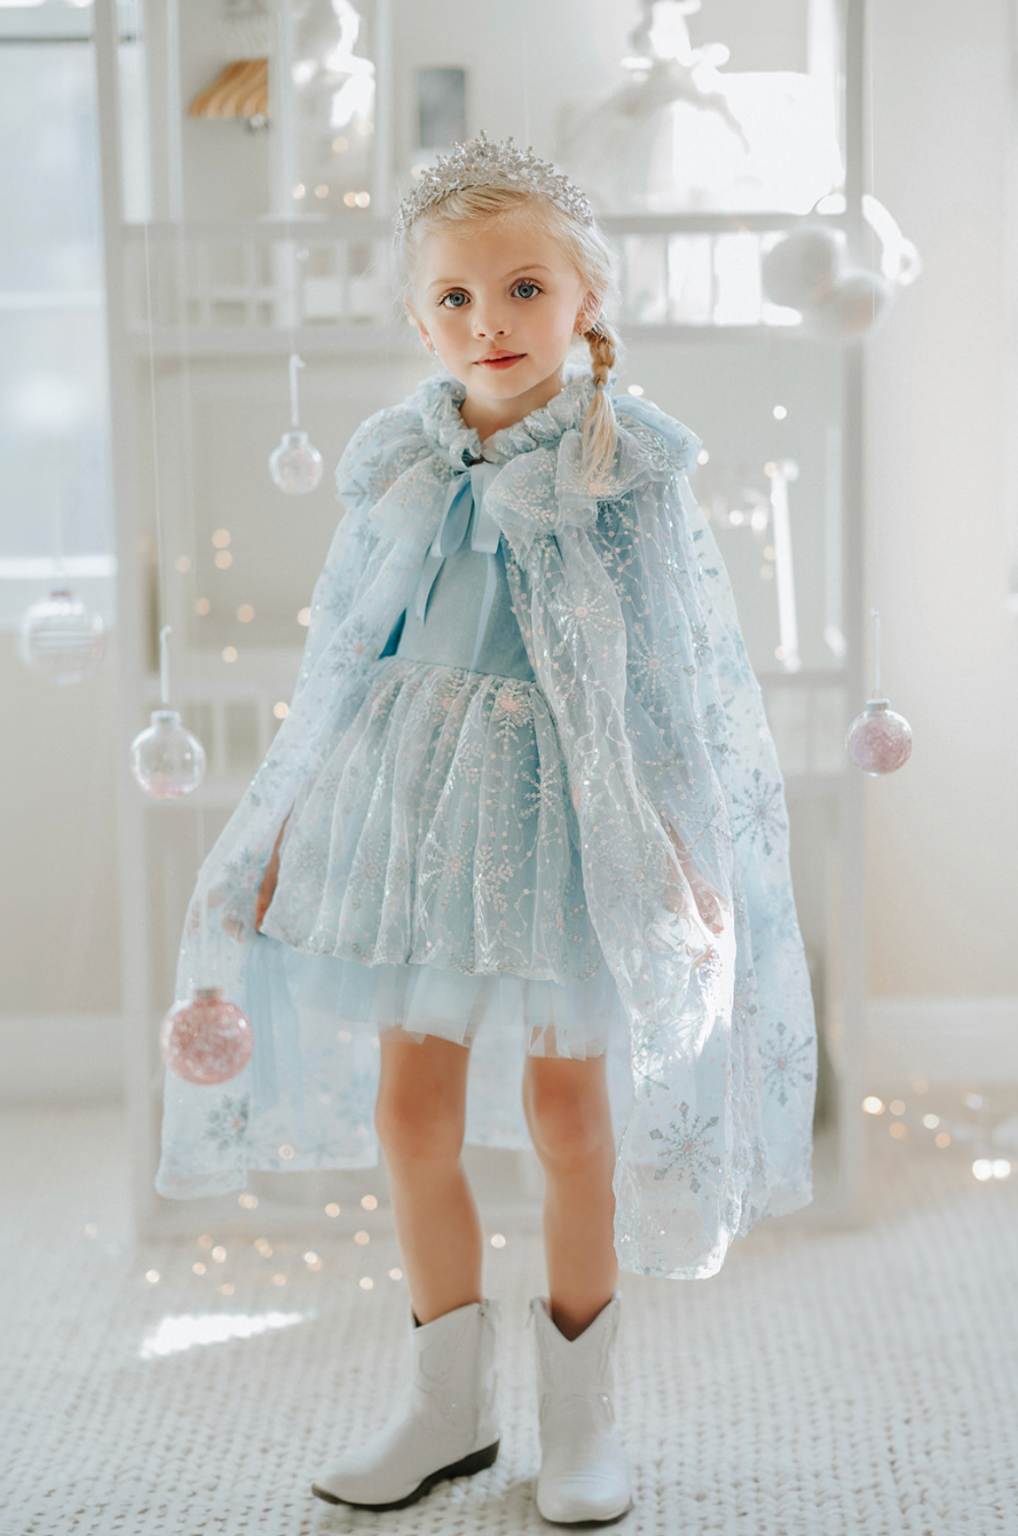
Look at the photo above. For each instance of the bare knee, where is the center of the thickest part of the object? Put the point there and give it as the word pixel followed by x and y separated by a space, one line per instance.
pixel 420 1111
pixel 566 1105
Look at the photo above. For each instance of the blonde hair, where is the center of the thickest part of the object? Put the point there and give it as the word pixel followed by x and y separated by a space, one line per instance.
pixel 586 246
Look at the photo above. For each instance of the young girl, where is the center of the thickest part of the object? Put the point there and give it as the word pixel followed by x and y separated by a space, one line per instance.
pixel 523 822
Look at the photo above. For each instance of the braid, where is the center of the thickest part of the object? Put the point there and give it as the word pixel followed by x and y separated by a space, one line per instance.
pixel 599 425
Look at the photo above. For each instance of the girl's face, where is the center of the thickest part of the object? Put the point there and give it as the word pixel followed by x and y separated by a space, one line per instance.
pixel 499 303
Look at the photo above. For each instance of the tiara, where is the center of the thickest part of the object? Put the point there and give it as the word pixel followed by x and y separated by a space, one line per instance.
pixel 483 163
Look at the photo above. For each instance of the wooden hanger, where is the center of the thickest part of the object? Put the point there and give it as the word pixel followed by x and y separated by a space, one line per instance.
pixel 239 90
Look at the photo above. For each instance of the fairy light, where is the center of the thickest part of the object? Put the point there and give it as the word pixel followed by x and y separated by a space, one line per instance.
pixel 221 538
pixel 182 563
pixel 223 560
pixel 281 709
pixel 245 613
pixel 369 1202
pixel 152 1276
pixel 304 617
pixel 219 1255
pixel 249 1202
pixel 363 1238
pixel 198 1269
pixel 229 653
pixel 202 606
pixel 497 1240
pixel 279 1279
pixel 332 1209
pixel 367 1284
pixel 872 1105
pixel 896 1107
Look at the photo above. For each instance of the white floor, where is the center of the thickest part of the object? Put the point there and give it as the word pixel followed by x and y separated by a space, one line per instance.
pixel 852 1383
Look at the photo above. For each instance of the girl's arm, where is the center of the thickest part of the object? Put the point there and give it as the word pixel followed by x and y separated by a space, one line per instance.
pixel 268 885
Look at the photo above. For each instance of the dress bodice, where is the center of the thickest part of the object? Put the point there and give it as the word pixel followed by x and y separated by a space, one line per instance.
pixel 461 614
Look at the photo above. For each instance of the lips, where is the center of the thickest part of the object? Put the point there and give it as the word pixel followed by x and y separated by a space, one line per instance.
pixel 500 360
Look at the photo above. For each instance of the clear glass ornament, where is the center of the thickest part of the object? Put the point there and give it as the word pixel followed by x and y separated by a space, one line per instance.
pixel 879 740
pixel 296 465
pixel 166 759
pixel 207 1040
pixel 61 638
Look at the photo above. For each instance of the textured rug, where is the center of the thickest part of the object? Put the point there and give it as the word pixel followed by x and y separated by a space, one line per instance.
pixel 826 1383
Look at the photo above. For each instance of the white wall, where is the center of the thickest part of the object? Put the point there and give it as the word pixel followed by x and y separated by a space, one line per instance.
pixel 943 833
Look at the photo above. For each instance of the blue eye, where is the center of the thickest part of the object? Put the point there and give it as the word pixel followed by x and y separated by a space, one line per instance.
pixel 447 300
pixel 527 284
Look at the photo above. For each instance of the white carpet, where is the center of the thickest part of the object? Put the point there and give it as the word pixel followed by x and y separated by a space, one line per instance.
pixel 824 1384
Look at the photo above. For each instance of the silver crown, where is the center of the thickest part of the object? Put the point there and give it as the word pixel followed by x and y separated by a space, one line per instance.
pixel 484 163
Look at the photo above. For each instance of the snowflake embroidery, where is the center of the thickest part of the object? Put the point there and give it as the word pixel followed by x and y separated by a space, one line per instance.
pixel 787 1063
pixel 760 812
pixel 685 1148
pixel 356 646
pixel 658 662
pixel 226 1125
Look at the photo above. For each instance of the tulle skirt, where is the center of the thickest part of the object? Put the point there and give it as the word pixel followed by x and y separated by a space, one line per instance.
pixel 430 876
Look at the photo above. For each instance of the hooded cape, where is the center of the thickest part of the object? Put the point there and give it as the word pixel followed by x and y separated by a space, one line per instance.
pixel 630 626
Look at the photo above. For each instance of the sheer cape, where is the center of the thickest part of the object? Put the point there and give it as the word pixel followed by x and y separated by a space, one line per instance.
pixel 630 626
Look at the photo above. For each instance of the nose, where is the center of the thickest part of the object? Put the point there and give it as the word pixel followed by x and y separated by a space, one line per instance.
pixel 490 320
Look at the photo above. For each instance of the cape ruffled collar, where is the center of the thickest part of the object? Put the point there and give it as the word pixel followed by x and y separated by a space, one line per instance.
pixel 439 399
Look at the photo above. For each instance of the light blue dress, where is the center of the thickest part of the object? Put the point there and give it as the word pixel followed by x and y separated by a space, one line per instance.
pixel 445 801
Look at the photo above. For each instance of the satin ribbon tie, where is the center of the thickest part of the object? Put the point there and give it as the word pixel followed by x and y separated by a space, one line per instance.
pixel 466 495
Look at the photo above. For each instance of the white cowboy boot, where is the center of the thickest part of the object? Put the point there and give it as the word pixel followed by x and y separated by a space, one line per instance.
pixel 583 1474
pixel 449 1427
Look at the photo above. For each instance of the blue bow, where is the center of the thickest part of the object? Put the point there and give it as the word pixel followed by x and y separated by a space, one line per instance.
pixel 466 492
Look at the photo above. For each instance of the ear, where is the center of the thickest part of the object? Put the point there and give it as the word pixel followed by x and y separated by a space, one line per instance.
pixel 420 328
pixel 590 309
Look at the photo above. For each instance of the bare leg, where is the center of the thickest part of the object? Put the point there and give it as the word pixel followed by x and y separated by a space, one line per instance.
pixel 420 1118
pixel 566 1104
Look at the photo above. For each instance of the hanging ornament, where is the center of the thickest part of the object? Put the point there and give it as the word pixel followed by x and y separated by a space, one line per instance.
pixel 61 638
pixel 296 465
pixel 166 759
pixel 879 740
pixel 207 1040
pixel 809 270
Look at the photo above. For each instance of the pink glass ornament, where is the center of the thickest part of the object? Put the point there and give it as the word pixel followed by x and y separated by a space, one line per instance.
pixel 206 1040
pixel 60 638
pixel 879 740
pixel 167 760
pixel 296 465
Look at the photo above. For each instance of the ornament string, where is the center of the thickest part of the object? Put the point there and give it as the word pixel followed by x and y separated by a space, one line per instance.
pixel 296 363
pixel 156 469
pixel 526 82
pixel 164 665
pixel 876 654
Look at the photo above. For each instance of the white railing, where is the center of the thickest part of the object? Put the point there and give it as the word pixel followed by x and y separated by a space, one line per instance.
pixel 242 285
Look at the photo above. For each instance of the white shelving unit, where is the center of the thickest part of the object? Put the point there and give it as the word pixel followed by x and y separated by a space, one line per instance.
pixel 242 292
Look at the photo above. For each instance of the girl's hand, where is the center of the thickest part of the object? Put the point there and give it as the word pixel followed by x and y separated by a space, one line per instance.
pixel 268 885
pixel 710 904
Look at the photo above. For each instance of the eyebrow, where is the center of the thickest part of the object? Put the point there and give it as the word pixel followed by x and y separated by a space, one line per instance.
pixel 530 266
